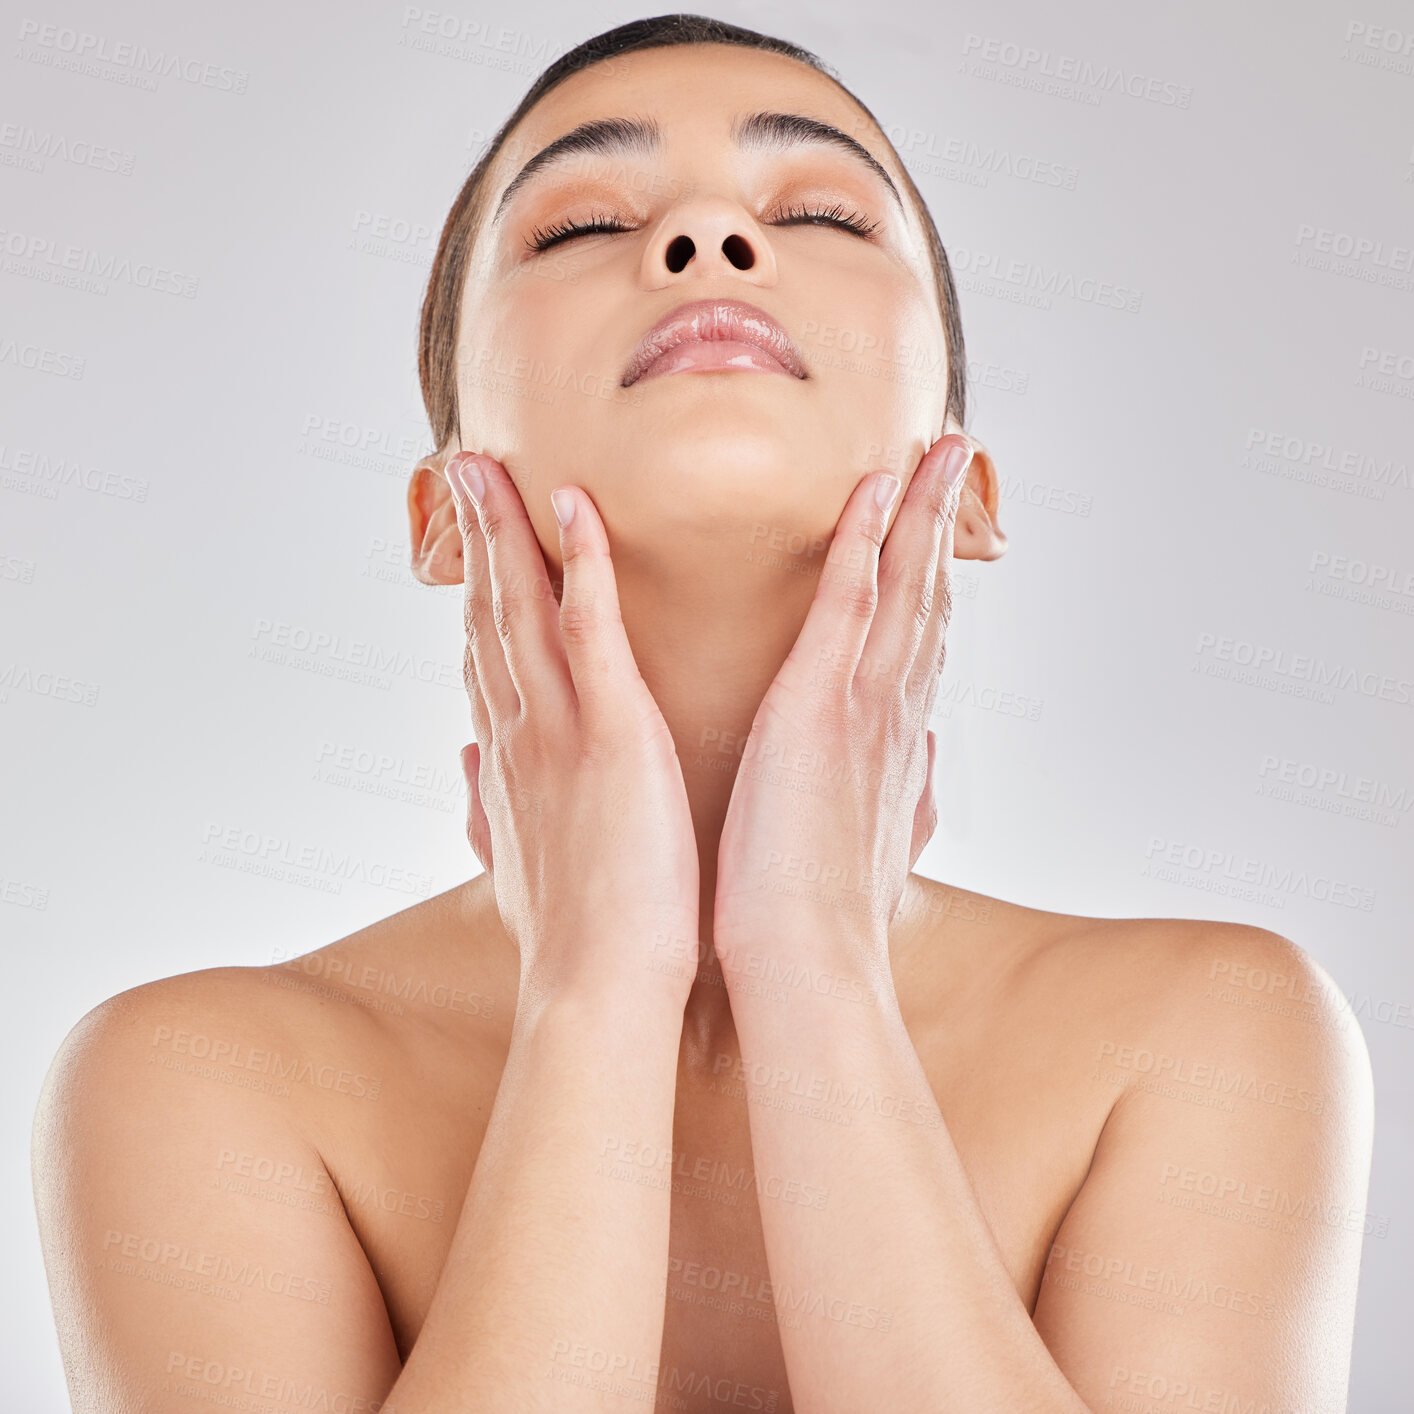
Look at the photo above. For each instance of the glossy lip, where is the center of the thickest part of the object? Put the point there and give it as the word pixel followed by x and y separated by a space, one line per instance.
pixel 710 321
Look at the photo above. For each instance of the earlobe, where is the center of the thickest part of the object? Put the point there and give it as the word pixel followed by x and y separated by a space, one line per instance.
pixel 433 532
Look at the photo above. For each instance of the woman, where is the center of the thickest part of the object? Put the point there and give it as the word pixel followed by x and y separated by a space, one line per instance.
pixel 698 1094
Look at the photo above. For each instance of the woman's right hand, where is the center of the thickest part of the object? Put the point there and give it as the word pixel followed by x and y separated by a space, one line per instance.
pixel 577 807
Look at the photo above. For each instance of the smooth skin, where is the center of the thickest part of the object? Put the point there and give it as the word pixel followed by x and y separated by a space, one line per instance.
pixel 961 1193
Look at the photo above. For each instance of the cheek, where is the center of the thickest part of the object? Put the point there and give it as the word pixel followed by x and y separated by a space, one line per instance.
pixel 886 363
pixel 510 365
pixel 537 368
pixel 535 389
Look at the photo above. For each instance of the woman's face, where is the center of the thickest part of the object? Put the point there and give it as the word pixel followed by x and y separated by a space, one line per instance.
pixel 693 459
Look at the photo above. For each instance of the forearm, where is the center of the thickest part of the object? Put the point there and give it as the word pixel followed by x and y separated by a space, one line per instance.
pixel 557 1270
pixel 906 1300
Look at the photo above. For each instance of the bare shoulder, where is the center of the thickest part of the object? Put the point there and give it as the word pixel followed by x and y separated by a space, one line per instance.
pixel 235 1027
pixel 223 1028
pixel 1194 987
pixel 1165 975
pixel 1171 1005
pixel 1216 1237
pixel 300 1037
pixel 183 1199
pixel 205 1146
pixel 209 1075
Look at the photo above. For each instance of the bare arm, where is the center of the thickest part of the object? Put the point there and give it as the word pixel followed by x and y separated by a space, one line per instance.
pixel 909 1304
pixel 1209 1260
pixel 575 1256
pixel 1227 1236
pixel 812 891
pixel 168 1286
pixel 578 810
pixel 172 1281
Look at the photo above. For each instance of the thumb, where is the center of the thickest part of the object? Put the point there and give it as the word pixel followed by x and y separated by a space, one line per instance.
pixel 478 827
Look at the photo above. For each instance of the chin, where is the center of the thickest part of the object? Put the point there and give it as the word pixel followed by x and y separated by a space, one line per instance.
pixel 721 487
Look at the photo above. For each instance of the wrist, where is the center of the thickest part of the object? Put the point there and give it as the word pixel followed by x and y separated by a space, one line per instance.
pixel 824 965
pixel 601 1004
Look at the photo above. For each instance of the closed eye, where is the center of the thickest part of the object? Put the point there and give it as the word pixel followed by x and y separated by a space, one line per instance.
pixel 543 237
pixel 835 215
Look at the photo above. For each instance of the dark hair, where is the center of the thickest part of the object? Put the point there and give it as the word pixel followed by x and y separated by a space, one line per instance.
pixel 436 349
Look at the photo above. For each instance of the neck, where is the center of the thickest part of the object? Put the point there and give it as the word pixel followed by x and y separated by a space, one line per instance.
pixel 708 644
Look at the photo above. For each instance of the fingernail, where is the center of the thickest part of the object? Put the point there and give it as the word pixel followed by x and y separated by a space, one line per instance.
pixel 463 487
pixel 955 463
pixel 885 489
pixel 563 503
pixel 473 483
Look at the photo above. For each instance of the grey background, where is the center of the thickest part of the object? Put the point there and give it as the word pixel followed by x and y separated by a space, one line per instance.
pixel 231 458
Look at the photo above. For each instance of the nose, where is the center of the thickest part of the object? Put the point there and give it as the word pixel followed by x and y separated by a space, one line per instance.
pixel 708 236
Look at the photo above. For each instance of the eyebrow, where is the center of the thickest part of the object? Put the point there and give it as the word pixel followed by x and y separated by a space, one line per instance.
pixel 640 137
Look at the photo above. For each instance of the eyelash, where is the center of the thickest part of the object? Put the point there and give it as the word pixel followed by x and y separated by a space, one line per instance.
pixel 543 237
pixel 835 215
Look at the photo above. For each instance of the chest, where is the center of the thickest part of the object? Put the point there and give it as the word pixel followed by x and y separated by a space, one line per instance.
pixel 1024 1131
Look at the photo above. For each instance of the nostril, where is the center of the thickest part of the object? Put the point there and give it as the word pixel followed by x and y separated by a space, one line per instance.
pixel 679 252
pixel 739 252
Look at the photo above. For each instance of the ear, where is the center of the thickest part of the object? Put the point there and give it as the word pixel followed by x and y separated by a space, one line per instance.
pixel 433 532
pixel 976 534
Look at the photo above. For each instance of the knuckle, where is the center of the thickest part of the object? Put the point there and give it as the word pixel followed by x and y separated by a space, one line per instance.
pixel 492 522
pixel 923 607
pixel 858 596
pixel 941 503
pixel 505 611
pixel 579 623
pixel 477 640
pixel 477 604
pixel 506 751
pixel 855 590
pixel 942 594
pixel 579 551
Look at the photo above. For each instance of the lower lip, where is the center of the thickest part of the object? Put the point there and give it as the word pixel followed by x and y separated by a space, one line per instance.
pixel 707 356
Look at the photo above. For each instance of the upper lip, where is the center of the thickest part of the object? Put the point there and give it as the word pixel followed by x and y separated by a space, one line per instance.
pixel 710 320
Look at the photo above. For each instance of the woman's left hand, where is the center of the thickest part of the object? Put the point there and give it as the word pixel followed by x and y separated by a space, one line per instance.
pixel 833 798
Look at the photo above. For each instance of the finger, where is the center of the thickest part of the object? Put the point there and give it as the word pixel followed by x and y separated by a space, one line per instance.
pixel 596 647
pixel 925 814
pixel 484 661
pixel 525 612
pixel 908 565
pixel 926 670
pixel 832 639
pixel 478 827
pixel 481 726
